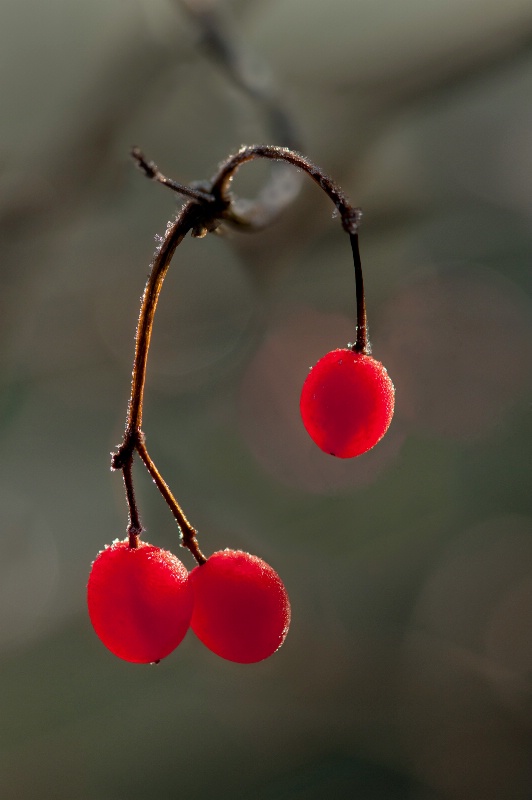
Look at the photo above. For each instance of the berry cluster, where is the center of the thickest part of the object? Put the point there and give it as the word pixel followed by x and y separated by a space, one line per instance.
pixel 142 599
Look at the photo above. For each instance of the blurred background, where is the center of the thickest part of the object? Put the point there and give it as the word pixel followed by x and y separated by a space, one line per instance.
pixel 407 673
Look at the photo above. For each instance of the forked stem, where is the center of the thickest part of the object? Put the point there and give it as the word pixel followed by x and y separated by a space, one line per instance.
pixel 204 210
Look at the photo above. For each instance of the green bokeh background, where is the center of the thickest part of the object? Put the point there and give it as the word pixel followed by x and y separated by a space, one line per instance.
pixel 407 671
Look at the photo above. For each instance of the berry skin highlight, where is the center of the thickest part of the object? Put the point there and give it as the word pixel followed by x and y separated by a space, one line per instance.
pixel 241 607
pixel 347 403
pixel 140 601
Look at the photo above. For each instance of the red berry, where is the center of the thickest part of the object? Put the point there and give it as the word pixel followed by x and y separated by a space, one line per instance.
pixel 140 601
pixel 347 403
pixel 241 608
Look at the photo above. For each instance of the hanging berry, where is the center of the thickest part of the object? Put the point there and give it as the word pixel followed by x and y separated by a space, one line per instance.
pixel 140 601
pixel 241 607
pixel 347 403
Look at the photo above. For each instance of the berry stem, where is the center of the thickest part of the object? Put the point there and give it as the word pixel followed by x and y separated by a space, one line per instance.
pixel 349 215
pixel 186 219
pixel 188 533
pixel 361 344
pixel 208 205
pixel 134 528
pixel 194 215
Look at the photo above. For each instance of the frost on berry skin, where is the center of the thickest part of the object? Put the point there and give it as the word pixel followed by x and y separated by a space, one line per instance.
pixel 347 403
pixel 241 607
pixel 140 601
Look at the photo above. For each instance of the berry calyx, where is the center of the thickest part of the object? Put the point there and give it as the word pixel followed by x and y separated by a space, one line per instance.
pixel 140 601
pixel 241 607
pixel 347 403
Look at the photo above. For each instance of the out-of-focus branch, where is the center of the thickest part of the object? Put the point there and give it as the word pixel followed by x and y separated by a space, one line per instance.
pixel 66 178
pixel 432 80
pixel 218 36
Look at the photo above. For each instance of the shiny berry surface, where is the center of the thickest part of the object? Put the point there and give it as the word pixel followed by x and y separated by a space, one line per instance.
pixel 140 601
pixel 347 403
pixel 241 607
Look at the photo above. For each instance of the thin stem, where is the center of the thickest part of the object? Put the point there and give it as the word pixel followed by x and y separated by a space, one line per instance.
pixel 191 216
pixel 134 528
pixel 188 533
pixel 362 341
pixel 349 215
pixel 151 170
pixel 187 218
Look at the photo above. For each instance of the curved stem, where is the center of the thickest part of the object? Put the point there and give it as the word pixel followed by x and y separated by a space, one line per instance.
pixel 187 218
pixel 349 215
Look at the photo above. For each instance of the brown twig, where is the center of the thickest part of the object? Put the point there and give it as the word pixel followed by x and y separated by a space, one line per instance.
pixel 208 206
pixel 188 532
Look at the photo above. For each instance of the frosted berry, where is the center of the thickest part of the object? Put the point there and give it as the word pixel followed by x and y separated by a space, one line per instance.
pixel 241 608
pixel 347 403
pixel 140 601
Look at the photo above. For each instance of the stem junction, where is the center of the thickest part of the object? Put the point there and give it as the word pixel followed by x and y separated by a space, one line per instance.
pixel 207 206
